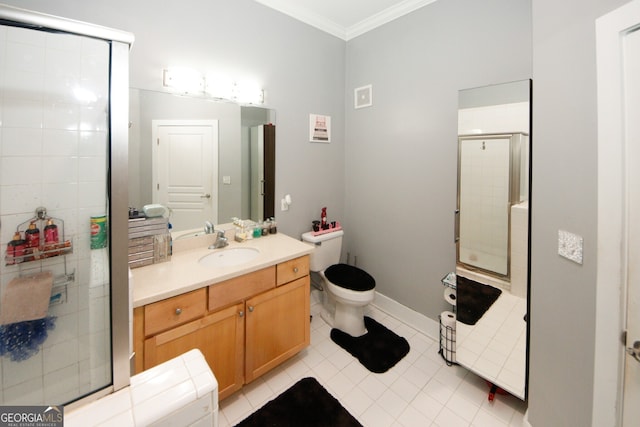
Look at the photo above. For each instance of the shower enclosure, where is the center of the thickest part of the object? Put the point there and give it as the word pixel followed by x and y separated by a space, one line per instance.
pixel 63 209
pixel 490 182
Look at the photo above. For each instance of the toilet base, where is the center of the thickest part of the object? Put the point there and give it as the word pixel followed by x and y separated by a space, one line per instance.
pixel 348 319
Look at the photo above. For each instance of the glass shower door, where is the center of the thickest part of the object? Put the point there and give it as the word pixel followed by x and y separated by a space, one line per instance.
pixel 54 158
pixel 484 202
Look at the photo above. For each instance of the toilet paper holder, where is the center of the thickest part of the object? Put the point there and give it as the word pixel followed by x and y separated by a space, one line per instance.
pixel 447 338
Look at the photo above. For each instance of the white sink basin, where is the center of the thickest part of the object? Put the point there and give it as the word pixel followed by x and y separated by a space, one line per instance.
pixel 229 257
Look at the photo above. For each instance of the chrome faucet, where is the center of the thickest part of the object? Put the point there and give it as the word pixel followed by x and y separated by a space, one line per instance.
pixel 208 227
pixel 221 240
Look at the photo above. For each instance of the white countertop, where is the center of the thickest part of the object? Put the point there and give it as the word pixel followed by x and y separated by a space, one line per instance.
pixel 183 273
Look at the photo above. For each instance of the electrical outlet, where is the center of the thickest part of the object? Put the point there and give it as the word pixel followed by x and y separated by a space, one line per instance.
pixel 570 246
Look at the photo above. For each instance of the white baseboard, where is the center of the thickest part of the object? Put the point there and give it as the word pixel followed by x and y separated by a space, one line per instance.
pixel 420 322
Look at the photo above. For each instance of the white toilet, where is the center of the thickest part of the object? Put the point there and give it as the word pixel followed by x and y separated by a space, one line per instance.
pixel 348 289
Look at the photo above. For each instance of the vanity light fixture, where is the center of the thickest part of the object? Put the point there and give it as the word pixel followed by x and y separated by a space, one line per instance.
pixel 187 81
pixel 183 80
pixel 219 87
pixel 249 93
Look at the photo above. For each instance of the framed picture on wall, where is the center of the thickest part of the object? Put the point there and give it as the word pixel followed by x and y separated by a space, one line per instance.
pixel 363 97
pixel 319 128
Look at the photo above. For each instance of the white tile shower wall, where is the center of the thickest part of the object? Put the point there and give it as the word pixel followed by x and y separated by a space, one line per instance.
pixel 484 172
pixel 53 153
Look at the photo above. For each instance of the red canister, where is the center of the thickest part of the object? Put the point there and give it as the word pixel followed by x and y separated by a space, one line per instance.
pixel 51 239
pixel 32 236
pixel 51 233
pixel 15 249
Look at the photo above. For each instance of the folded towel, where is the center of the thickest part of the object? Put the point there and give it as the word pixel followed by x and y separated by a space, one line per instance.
pixel 26 298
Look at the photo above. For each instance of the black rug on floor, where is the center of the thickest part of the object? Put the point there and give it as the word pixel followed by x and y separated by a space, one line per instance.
pixel 378 350
pixel 473 299
pixel 305 404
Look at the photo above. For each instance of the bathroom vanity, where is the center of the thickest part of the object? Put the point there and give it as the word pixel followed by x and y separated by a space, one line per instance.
pixel 246 319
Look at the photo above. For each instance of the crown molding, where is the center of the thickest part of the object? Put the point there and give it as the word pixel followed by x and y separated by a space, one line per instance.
pixel 304 15
pixel 387 15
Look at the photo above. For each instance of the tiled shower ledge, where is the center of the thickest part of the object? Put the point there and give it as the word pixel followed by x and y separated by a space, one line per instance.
pixel 181 391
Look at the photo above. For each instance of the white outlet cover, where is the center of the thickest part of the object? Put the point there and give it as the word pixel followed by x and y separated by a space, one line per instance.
pixel 570 246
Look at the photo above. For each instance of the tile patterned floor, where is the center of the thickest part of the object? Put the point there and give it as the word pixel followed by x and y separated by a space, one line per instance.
pixel 421 390
pixel 496 346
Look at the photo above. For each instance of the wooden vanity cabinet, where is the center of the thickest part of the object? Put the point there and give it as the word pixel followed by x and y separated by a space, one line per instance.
pixel 219 336
pixel 247 326
pixel 277 327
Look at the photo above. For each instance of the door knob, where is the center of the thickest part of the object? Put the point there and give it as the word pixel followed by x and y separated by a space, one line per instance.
pixel 241 313
pixel 251 308
pixel 206 196
pixel 178 311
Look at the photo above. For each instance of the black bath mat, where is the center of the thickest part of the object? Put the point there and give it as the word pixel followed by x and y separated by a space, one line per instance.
pixel 473 299
pixel 305 404
pixel 378 350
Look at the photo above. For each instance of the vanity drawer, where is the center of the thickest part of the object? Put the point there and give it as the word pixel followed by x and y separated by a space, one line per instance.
pixel 292 270
pixel 240 288
pixel 172 312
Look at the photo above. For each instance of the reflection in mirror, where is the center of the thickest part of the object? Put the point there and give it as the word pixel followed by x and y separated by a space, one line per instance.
pixel 492 233
pixel 197 193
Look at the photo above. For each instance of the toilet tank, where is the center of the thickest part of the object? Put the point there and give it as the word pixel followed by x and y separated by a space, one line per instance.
pixel 327 250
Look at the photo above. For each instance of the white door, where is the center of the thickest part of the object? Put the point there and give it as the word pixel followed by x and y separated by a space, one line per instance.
pixel 617 372
pixel 631 408
pixel 185 170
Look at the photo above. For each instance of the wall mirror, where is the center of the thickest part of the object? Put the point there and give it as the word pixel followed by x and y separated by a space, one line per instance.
pixel 492 233
pixel 219 162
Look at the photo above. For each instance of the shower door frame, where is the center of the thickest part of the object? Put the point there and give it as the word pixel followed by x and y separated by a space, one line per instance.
pixel 516 141
pixel 120 43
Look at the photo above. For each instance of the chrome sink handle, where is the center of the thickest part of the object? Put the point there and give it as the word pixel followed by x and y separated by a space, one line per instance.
pixel 221 240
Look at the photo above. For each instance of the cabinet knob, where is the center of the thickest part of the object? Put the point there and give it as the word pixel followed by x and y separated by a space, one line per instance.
pixel 251 309
pixel 178 311
pixel 295 269
pixel 241 313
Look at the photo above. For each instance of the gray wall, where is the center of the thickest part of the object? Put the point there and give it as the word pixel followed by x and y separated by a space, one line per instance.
pixel 401 153
pixel 397 195
pixel 300 68
pixel 564 198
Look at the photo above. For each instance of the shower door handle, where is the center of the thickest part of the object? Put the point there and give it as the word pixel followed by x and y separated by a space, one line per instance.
pixel 456 226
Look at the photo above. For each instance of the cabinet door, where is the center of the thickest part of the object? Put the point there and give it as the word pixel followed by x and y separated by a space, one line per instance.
pixel 220 338
pixel 277 326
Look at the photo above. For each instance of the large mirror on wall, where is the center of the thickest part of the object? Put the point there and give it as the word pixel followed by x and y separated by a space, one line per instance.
pixel 205 160
pixel 492 233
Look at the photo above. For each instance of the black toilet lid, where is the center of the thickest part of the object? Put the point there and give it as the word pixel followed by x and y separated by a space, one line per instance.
pixel 350 277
